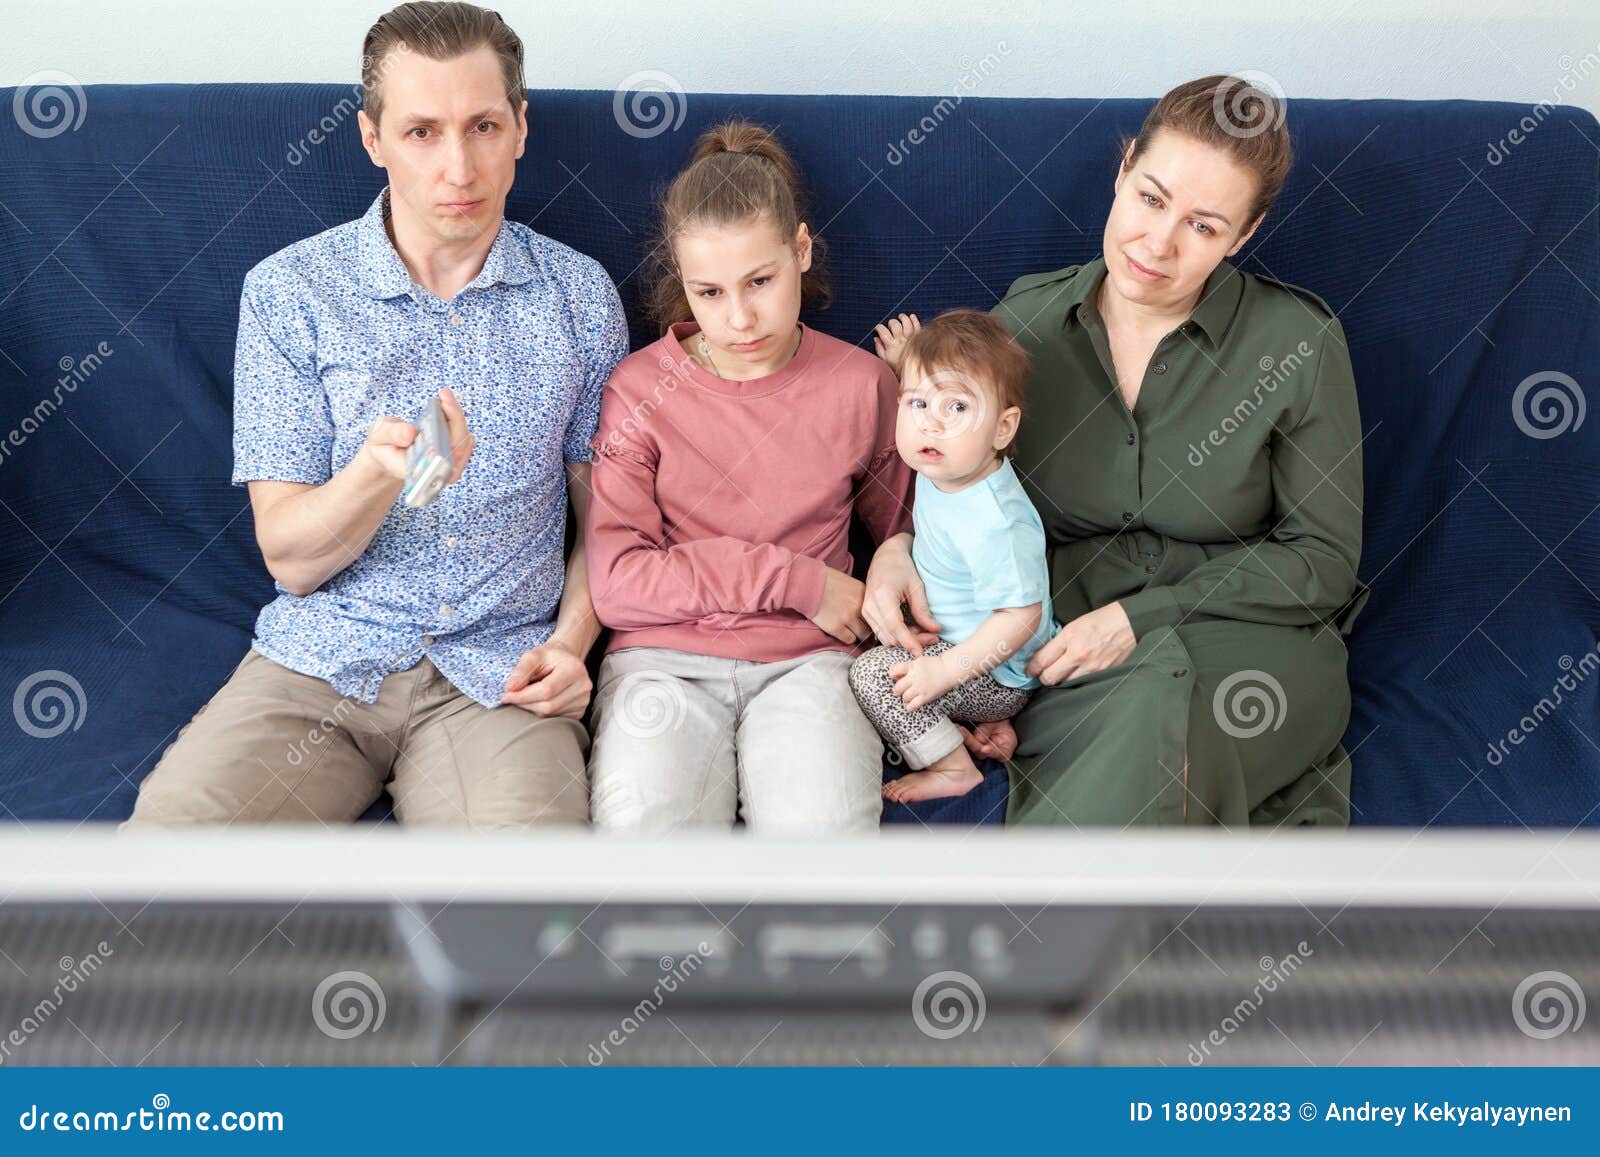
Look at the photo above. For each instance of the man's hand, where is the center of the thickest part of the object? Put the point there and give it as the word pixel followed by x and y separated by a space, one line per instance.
pixel 549 681
pixel 920 681
pixel 388 439
pixel 889 339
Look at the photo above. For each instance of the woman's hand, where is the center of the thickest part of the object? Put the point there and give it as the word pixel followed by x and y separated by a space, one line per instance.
pixel 990 740
pixel 1089 643
pixel 893 582
pixel 889 339
pixel 840 612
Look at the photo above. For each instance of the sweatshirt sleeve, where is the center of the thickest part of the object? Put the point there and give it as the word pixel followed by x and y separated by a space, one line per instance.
pixel 886 487
pixel 637 579
pixel 1304 570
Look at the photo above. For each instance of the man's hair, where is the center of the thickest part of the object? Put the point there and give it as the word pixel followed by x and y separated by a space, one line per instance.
pixel 977 348
pixel 438 31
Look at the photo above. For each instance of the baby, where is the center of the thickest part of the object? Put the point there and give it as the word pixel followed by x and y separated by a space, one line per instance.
pixel 979 550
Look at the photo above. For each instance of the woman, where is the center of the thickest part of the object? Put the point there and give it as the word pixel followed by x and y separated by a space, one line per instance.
pixel 1195 453
pixel 730 456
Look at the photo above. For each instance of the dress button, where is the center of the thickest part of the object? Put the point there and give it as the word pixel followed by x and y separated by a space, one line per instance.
pixel 1159 368
pixel 1132 438
pixel 1127 516
pixel 455 319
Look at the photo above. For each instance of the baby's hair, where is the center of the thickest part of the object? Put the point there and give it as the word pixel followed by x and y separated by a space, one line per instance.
pixel 738 172
pixel 975 346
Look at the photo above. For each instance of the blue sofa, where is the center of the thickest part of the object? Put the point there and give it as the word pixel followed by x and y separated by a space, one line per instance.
pixel 1458 241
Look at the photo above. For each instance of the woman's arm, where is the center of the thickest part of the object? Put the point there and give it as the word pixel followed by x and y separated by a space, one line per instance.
pixel 1304 571
pixel 893 583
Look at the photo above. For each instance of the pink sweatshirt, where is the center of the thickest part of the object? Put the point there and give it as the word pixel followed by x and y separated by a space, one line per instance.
pixel 718 506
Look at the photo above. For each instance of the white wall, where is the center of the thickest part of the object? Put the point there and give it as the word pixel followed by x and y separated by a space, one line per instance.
pixel 1531 51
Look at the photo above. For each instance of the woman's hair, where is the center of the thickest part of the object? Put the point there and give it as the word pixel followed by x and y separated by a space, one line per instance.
pixel 438 31
pixel 1233 115
pixel 977 348
pixel 738 171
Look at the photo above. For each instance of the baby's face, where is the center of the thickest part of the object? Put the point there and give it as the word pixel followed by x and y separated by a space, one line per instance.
pixel 947 427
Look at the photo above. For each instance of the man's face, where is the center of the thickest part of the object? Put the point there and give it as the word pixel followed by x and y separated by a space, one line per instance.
pixel 449 139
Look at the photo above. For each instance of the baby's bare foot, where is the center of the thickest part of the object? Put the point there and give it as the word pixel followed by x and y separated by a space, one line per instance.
pixel 932 784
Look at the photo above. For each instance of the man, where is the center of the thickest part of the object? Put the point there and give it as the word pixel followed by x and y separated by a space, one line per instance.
pixel 442 646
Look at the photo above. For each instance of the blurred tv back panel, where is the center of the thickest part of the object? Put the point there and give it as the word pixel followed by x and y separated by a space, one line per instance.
pixel 378 947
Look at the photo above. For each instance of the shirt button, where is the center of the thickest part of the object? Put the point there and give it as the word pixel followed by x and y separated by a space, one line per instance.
pixel 1127 516
pixel 1180 672
pixel 1149 568
pixel 450 541
pixel 427 640
pixel 1132 439
pixel 455 319
pixel 1159 368
pixel 444 609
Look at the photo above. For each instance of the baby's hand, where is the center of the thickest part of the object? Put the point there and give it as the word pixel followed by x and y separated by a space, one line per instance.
pixel 921 681
pixel 889 339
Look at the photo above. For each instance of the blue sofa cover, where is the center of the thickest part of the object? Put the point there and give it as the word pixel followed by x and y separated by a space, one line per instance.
pixel 1463 259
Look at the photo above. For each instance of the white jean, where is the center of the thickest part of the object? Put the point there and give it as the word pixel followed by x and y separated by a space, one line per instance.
pixel 685 741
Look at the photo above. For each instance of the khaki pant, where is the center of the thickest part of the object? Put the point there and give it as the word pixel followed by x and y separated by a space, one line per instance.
pixel 276 746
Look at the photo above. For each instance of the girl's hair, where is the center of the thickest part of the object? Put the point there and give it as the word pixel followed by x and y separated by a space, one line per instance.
pixel 1233 115
pixel 738 171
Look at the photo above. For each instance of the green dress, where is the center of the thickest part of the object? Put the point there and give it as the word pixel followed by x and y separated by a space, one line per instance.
pixel 1224 513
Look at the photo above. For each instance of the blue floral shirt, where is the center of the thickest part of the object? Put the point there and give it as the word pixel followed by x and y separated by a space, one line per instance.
pixel 333 334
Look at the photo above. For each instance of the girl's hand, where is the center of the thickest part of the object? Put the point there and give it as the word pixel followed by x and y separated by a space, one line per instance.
pixel 923 680
pixel 893 582
pixel 889 339
pixel 1089 643
pixel 840 612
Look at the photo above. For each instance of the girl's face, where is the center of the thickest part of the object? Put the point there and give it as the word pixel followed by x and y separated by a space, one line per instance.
pixel 743 285
pixel 1177 213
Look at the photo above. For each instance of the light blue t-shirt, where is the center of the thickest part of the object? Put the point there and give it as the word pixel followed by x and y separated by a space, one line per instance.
pixel 978 551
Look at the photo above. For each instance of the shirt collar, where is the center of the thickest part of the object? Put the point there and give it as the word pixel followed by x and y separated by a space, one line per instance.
pixel 1219 300
pixel 382 274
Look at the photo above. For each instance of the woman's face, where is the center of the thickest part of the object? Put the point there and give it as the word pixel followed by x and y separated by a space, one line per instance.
pixel 1178 211
pixel 743 285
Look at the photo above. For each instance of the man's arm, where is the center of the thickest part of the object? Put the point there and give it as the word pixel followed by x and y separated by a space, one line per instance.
pixel 576 627
pixel 553 679
pixel 309 533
